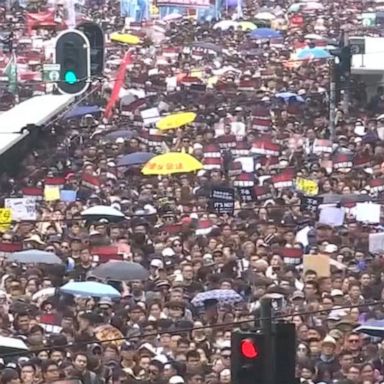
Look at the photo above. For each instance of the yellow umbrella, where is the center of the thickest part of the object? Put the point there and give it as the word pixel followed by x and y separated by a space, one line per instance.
pixel 247 25
pixel 175 120
pixel 125 38
pixel 170 163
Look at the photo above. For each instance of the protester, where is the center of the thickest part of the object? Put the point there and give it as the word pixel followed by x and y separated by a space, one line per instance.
pixel 303 222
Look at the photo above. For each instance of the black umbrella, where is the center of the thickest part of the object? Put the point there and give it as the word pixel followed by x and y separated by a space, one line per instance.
pixel 120 271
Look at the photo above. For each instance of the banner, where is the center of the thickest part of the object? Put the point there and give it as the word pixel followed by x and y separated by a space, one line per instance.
pixel 222 200
pixel 307 186
pixel 118 84
pixel 22 208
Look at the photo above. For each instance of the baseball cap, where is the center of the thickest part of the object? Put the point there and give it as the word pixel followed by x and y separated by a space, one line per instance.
pixel 157 263
pixel 176 380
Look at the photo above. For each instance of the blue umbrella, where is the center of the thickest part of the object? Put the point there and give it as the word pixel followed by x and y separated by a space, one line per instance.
pixel 313 53
pixel 265 33
pixel 288 95
pixel 90 288
pixel 135 159
pixel 121 133
pixel 81 111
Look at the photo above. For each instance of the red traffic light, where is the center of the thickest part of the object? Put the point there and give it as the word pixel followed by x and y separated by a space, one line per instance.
pixel 249 349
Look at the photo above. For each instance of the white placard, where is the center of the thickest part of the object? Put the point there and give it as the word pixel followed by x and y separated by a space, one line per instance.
pixel 22 208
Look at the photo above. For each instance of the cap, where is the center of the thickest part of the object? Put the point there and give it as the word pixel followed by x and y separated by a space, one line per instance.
pixel 105 301
pixel 336 292
pixel 176 380
pixel 298 295
pixel 329 340
pixel 157 263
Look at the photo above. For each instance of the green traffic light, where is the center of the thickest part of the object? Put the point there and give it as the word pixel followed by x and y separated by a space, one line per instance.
pixel 70 77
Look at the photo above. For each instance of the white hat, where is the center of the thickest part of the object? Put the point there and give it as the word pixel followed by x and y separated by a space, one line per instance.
pixel 176 380
pixel 157 263
pixel 336 292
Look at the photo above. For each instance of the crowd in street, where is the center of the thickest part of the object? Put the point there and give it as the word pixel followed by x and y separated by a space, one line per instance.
pixel 167 269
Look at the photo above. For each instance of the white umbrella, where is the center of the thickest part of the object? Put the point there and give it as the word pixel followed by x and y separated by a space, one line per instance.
pixel 11 345
pixel 225 24
pixel 314 36
pixel 265 16
pixel 102 210
pixel 45 292
pixel 313 5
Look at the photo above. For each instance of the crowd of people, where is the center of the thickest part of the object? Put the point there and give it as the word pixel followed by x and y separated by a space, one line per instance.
pixel 179 270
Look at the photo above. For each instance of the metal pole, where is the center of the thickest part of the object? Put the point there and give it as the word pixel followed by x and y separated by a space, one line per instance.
pixel 347 84
pixel 267 329
pixel 332 98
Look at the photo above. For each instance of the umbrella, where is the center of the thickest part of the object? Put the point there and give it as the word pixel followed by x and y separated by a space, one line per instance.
pixel 120 271
pixel 312 6
pixel 102 212
pixel 90 288
pixel 11 345
pixel 176 120
pixel 373 328
pixel 313 53
pixel 34 256
pixel 225 24
pixel 45 292
pixel 223 296
pixel 314 36
pixel 125 38
pixel 81 111
pixel 294 7
pixel 206 45
pixel 265 33
pixel 288 95
pixel 170 163
pixel 135 159
pixel 247 25
pixel 121 133
pixel 265 16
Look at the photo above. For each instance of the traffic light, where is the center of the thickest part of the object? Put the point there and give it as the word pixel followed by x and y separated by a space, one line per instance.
pixel 73 55
pixel 95 36
pixel 343 62
pixel 285 352
pixel 248 357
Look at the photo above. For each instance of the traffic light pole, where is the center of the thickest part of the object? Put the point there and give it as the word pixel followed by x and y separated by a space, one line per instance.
pixel 267 329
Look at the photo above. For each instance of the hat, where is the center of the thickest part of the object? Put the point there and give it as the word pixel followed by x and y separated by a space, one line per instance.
pixel 105 301
pixel 298 295
pixel 208 260
pixel 157 263
pixel 176 380
pixel 330 248
pixel 336 292
pixel 328 340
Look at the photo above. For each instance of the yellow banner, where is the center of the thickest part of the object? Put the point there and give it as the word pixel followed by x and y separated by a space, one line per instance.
pixel 5 218
pixel 307 186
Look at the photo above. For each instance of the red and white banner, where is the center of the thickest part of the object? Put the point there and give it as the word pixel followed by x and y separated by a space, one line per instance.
pixel 211 150
pixel 291 256
pixel 284 179
pixel 227 141
pixel 244 180
pixel 265 147
pixel 212 163
pixel 322 146
pixel 377 185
